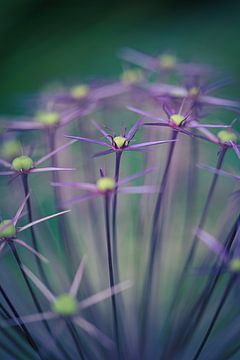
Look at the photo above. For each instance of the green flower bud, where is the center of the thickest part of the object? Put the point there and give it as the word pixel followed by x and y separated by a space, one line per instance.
pixel 235 265
pixel 120 141
pixel 65 305
pixel 22 163
pixel 48 118
pixel 132 76
pixel 106 184
pixel 79 91
pixel 167 61
pixel 177 119
pixel 194 91
pixel 11 149
pixel 9 231
pixel 226 136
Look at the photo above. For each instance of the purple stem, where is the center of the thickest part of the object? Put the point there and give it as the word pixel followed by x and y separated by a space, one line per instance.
pixel 21 324
pixel 62 224
pixel 35 300
pixel 153 245
pixel 33 234
pixel 216 315
pixel 111 271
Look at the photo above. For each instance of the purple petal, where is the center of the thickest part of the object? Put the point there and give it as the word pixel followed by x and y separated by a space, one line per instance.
pixel 77 278
pixel 77 185
pixel 30 318
pixel 146 114
pixel 81 198
pixel 25 125
pixel 108 91
pixel 41 220
pixel 151 143
pixel 94 331
pixel 102 131
pixel 20 210
pixel 89 140
pixel 5 163
pixel 49 155
pixel 220 172
pixel 236 148
pixel 28 247
pixel 145 189
pixel 198 125
pixel 139 58
pixel 134 129
pixel 104 294
pixel 135 176
pixel 213 244
pixel 103 153
pixel 39 284
pixel 219 102
pixel 46 169
pixel 6 173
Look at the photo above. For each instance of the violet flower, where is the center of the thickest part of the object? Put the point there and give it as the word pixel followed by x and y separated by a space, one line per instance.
pixel 25 165
pixel 107 186
pixel 9 230
pixel 66 306
pixel 179 120
pixel 119 143
pixel 165 62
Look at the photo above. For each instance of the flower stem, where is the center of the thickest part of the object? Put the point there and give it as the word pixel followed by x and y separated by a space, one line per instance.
pixel 21 324
pixel 33 234
pixel 215 316
pixel 75 338
pixel 35 300
pixel 153 246
pixel 111 271
pixel 114 217
pixel 62 223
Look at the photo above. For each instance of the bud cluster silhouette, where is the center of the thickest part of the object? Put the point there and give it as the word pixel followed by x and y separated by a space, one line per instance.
pixel 120 227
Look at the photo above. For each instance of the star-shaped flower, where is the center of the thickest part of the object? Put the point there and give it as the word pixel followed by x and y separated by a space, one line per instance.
pixel 106 186
pixel 25 165
pixel 9 230
pixel 66 306
pixel 121 142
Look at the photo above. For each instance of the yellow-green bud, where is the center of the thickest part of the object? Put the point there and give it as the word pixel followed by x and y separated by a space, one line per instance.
pixel 226 136
pixel 11 148
pixel 194 91
pixel 22 163
pixel 120 141
pixel 177 119
pixel 9 231
pixel 167 61
pixel 132 76
pixel 48 118
pixel 79 91
pixel 106 184
pixel 235 265
pixel 65 305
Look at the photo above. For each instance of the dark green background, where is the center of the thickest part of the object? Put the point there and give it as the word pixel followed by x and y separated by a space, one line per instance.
pixel 45 41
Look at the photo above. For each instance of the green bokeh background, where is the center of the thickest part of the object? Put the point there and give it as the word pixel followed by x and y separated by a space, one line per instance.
pixel 43 41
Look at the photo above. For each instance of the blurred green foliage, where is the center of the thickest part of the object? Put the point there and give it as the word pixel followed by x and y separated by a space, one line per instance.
pixel 47 41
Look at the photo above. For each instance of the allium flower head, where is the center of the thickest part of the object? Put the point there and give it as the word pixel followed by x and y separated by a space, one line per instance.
pixel 119 143
pixel 25 165
pixel 9 230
